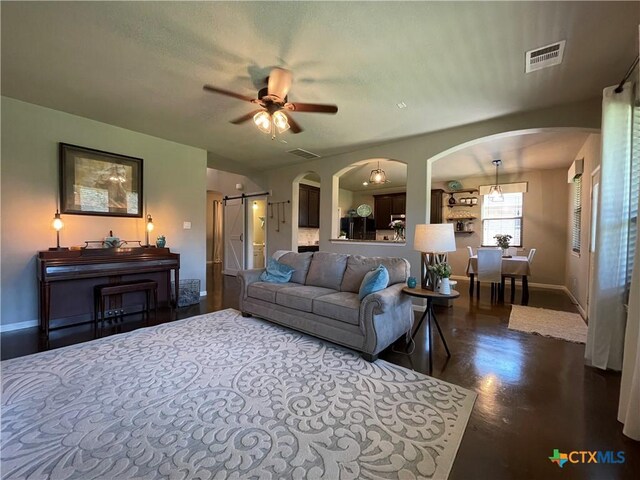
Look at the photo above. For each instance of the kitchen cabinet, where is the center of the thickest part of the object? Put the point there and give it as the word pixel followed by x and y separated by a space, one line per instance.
pixel 309 206
pixel 436 205
pixel 387 205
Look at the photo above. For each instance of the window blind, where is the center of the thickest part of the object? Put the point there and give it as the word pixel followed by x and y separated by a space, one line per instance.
pixel 634 192
pixel 576 226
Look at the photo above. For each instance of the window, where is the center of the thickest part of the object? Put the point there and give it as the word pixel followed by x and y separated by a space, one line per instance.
pixel 577 215
pixel 502 218
pixel 634 192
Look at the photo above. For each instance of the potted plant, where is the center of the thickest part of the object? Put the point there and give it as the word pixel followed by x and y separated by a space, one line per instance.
pixel 398 227
pixel 442 271
pixel 503 241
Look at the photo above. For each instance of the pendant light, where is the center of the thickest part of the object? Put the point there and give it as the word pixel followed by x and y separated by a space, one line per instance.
pixel 495 192
pixel 378 176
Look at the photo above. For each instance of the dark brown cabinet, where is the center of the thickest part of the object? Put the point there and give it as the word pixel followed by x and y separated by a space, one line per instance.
pixel 436 206
pixel 387 205
pixel 309 206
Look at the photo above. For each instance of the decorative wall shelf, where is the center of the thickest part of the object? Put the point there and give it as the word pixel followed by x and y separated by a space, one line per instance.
pixel 464 190
pixel 453 219
pixel 462 205
pixel 468 232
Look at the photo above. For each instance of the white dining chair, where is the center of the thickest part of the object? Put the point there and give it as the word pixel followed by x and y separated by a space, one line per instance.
pixel 532 253
pixel 490 270
pixel 470 250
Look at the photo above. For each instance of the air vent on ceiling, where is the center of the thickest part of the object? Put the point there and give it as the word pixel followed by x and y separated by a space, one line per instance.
pixel 544 57
pixel 303 153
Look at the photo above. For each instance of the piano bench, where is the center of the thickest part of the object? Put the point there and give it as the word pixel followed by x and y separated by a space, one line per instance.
pixel 102 292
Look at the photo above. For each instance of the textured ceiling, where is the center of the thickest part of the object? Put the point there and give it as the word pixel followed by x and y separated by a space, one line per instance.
pixel 141 65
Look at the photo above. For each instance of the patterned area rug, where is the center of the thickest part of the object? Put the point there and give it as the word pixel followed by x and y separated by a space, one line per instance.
pixel 550 323
pixel 221 396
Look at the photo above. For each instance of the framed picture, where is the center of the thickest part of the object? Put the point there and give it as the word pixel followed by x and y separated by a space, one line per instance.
pixel 93 182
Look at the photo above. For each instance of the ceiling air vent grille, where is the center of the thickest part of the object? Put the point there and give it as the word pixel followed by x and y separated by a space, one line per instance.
pixel 544 57
pixel 299 152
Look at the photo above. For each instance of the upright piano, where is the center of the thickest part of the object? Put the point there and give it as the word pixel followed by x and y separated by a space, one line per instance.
pixel 66 277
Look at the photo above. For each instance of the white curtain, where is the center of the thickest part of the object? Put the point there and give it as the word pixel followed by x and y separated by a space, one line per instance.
pixel 607 315
pixel 629 406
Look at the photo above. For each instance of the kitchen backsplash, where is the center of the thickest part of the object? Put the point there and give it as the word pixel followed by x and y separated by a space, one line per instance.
pixel 308 236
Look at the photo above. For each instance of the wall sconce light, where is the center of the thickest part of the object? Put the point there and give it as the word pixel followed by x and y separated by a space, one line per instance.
pixel 57 225
pixel 149 229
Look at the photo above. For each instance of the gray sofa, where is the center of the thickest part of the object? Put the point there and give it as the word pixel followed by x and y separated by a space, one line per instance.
pixel 322 300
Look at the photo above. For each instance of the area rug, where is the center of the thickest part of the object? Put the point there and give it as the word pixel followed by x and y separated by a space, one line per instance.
pixel 222 396
pixel 550 323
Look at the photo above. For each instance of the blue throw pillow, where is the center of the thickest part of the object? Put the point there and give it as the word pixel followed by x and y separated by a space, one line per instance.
pixel 374 281
pixel 276 272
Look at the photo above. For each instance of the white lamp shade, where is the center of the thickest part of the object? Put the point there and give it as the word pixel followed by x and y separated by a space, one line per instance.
pixel 434 237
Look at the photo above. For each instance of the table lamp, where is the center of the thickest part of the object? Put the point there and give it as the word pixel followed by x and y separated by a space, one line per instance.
pixel 433 241
pixel 149 228
pixel 57 224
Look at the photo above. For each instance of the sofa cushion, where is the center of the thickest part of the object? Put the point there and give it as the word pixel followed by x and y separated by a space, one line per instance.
pixel 266 291
pixel 358 266
pixel 276 272
pixel 327 269
pixel 343 306
pixel 301 297
pixel 299 262
pixel 374 281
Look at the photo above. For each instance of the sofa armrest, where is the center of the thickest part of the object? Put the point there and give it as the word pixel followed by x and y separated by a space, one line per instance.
pixel 384 317
pixel 247 277
pixel 384 300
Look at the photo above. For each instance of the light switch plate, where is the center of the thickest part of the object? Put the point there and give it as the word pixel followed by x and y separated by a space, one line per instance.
pixel 186 225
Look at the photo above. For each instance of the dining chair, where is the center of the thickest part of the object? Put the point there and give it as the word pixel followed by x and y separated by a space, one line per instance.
pixel 470 250
pixel 490 270
pixel 532 253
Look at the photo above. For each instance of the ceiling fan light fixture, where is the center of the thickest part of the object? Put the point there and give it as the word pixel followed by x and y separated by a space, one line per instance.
pixel 263 121
pixel 281 121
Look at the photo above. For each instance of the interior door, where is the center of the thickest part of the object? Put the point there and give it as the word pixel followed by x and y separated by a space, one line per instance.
pixel 234 227
pixel 595 194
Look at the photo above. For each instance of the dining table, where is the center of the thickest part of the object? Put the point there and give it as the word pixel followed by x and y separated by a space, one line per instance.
pixel 512 266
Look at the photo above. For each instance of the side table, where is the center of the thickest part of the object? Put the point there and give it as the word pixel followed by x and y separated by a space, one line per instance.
pixel 430 295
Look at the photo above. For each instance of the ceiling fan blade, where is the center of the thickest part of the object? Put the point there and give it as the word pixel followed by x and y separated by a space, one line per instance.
pixel 312 107
pixel 244 118
pixel 211 88
pixel 293 125
pixel 279 82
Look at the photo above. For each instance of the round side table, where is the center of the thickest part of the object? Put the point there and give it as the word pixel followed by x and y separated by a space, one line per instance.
pixel 430 295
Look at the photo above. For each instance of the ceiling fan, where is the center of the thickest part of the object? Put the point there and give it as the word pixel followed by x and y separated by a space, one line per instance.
pixel 274 112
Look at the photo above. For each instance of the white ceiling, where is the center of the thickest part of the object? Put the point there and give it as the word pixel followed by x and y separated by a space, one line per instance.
pixel 396 175
pixel 142 65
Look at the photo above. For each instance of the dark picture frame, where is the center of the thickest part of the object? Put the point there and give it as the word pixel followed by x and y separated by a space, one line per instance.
pixel 94 182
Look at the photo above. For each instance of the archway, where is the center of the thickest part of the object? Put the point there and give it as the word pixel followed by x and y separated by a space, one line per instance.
pixel 534 160
pixel 378 186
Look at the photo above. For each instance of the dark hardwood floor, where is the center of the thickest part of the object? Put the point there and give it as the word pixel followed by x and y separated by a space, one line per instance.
pixel 534 393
